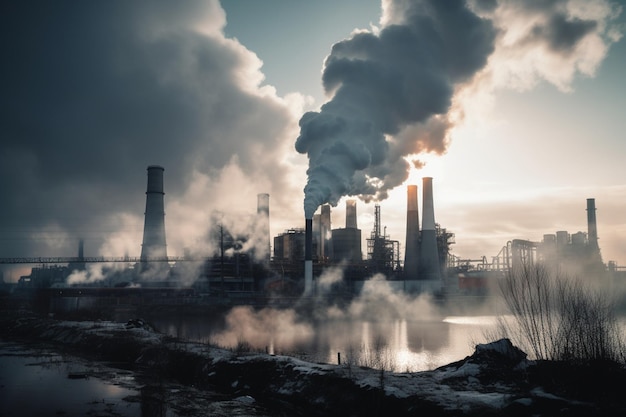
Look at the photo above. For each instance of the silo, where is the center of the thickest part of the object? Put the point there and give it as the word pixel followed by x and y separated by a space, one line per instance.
pixel 153 245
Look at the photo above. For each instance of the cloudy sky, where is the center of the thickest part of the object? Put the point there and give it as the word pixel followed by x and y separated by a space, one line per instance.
pixel 516 109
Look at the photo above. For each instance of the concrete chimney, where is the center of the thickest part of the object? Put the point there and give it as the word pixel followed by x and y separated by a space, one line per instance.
pixel 308 257
pixel 411 254
pixel 325 231
pixel 351 214
pixel 153 245
pixel 592 229
pixel 263 213
pixel 429 255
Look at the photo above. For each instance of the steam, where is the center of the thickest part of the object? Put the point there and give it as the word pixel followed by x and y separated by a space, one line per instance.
pixel 381 84
pixel 92 274
pixel 377 302
pixel 263 328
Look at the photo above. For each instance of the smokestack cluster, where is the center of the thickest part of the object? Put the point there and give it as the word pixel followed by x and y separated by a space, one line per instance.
pixel 153 245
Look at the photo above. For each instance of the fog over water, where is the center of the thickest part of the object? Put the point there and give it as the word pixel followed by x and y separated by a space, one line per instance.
pixel 380 328
pixel 394 344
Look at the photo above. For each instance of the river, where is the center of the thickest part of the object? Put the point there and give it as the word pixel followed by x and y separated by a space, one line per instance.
pixel 398 345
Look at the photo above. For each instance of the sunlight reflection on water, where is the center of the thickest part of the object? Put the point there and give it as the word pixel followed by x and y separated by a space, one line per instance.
pixel 398 345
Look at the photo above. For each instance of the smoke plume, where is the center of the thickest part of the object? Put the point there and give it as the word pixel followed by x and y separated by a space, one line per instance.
pixel 382 83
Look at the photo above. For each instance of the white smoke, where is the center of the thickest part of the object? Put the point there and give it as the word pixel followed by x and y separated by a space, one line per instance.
pixel 263 329
pixel 92 274
pixel 377 302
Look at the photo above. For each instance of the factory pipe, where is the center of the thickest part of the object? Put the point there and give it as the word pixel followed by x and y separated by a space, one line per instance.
pixel 153 245
pixel 308 257
pixel 429 253
pixel 263 213
pixel 411 247
pixel 351 214
pixel 592 229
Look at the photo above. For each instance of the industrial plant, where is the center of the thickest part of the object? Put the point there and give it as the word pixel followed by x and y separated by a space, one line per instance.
pixel 288 266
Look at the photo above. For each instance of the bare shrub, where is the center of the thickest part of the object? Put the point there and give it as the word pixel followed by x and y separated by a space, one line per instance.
pixel 560 318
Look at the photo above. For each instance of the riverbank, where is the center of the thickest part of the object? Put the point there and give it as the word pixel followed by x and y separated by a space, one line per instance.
pixel 496 380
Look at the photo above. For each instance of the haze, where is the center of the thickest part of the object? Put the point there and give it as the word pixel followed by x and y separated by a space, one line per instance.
pixel 526 128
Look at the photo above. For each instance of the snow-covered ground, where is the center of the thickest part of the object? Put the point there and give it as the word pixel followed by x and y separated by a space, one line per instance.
pixel 493 381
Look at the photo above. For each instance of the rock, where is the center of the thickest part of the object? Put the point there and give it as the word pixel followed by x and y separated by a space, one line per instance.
pixel 501 351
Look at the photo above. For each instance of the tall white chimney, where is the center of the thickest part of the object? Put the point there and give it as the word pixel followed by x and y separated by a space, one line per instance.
pixel 429 254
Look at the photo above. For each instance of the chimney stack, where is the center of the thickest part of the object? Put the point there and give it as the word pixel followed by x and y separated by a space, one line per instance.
pixel 325 230
pixel 263 213
pixel 429 254
pixel 592 230
pixel 153 245
pixel 351 214
pixel 308 257
pixel 411 254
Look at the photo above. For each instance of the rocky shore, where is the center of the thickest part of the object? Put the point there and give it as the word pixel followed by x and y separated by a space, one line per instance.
pixel 497 380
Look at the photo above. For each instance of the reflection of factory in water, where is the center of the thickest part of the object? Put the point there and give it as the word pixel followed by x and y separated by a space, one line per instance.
pixel 248 265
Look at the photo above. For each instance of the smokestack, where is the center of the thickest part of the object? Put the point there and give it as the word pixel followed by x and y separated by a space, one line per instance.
pixel 592 230
pixel 429 255
pixel 411 254
pixel 325 228
pixel 351 214
pixel 153 245
pixel 308 256
pixel 79 265
pixel 263 213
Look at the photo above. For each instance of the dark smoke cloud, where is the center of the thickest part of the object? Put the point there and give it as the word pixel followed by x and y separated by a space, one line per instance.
pixel 94 92
pixel 382 84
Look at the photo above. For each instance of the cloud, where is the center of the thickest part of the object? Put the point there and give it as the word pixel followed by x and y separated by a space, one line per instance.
pixel 552 41
pixel 93 93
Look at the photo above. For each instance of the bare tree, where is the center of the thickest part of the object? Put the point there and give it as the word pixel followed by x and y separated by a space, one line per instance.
pixel 560 318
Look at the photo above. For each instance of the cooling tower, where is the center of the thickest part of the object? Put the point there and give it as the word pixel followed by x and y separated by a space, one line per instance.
pixel 592 230
pixel 153 245
pixel 308 257
pixel 429 255
pixel 411 254
pixel 351 214
pixel 263 213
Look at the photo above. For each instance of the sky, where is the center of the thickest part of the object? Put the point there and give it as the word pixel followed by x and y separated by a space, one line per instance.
pixel 515 109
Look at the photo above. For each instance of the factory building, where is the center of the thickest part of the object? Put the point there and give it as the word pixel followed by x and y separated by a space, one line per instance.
pixel 300 254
